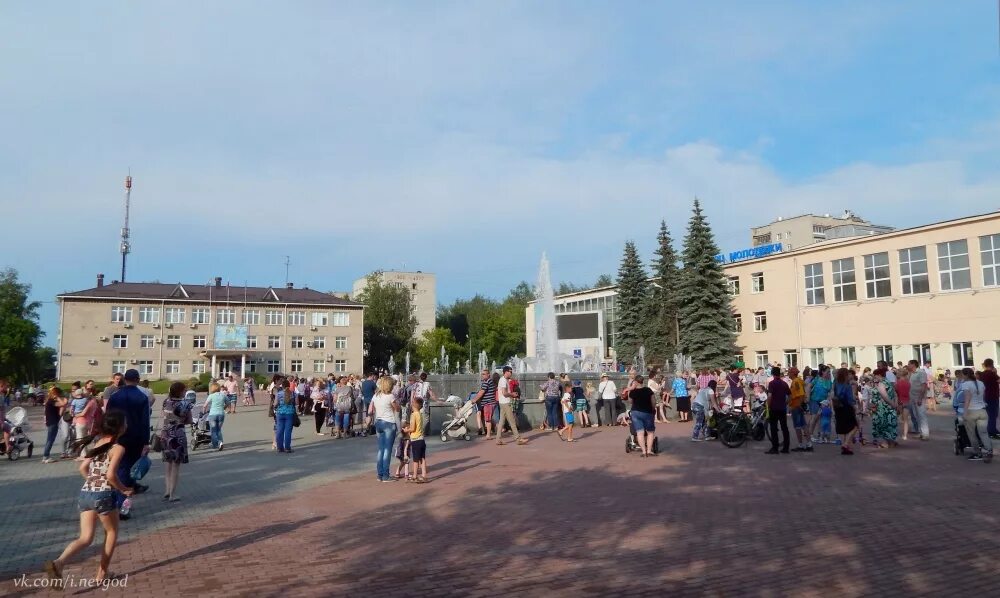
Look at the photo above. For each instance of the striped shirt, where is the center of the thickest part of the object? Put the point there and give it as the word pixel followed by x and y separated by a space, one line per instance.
pixel 489 392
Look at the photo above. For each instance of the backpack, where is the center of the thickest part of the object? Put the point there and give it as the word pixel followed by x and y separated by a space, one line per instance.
pixel 345 401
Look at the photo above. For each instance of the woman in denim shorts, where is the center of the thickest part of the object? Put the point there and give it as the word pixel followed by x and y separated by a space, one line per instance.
pixel 97 497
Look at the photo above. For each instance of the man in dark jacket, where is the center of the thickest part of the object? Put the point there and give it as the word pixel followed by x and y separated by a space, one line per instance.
pixel 131 401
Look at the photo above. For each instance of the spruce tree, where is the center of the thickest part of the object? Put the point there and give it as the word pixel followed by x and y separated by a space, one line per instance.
pixel 630 304
pixel 706 315
pixel 661 308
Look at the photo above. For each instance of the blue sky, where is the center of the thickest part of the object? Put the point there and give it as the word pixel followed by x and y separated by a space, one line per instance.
pixel 466 138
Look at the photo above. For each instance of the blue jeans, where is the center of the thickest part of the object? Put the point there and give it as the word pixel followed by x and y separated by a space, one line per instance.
pixel 344 421
pixel 50 439
pixel 283 430
pixel 129 457
pixel 552 413
pixel 992 408
pixel 700 425
pixel 215 421
pixel 386 432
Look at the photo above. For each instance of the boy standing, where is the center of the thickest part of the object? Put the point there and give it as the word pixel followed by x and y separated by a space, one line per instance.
pixel 567 409
pixel 796 405
pixel 418 448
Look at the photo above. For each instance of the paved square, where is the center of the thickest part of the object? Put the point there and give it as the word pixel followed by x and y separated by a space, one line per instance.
pixel 545 518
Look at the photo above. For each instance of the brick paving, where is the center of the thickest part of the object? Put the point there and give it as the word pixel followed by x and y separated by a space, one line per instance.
pixel 558 518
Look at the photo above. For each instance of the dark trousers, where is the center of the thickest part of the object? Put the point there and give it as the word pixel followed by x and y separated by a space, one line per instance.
pixel 992 409
pixel 773 419
pixel 131 455
pixel 50 439
pixel 320 417
pixel 552 413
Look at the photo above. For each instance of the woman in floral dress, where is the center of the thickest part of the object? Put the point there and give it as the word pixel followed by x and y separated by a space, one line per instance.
pixel 176 416
pixel 885 421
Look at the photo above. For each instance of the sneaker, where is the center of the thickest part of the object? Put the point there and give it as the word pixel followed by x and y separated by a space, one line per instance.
pixel 799 449
pixel 48 460
pixel 808 449
pixel 976 457
pixel 696 440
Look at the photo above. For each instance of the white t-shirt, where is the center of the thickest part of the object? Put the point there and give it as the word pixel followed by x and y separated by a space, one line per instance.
pixel 382 404
pixel 973 390
pixel 503 387
pixel 704 397
pixel 567 402
pixel 608 390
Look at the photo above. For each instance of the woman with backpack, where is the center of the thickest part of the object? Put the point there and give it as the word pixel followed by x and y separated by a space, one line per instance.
pixel 844 399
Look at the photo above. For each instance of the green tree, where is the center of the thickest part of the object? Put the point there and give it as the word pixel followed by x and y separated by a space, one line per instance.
pixel 20 335
pixel 630 304
pixel 661 309
pixel 496 327
pixel 604 280
pixel 707 332
pixel 389 320
pixel 427 348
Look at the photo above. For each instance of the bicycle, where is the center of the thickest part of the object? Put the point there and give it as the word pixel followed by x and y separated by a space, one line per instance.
pixel 735 428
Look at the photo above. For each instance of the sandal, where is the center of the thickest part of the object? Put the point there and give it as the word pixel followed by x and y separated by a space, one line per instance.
pixel 53 570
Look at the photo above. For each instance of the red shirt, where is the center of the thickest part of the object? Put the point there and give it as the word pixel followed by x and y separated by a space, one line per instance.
pixel 903 390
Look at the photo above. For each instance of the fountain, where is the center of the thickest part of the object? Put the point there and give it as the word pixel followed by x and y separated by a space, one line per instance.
pixel 434 366
pixel 682 363
pixel 640 361
pixel 546 337
pixel 468 367
pixel 407 363
pixel 421 366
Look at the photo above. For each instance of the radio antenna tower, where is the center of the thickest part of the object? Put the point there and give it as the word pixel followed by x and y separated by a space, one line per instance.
pixel 126 246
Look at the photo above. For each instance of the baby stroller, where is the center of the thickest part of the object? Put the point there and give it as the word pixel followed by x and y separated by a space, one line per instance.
pixel 632 442
pixel 17 423
pixel 962 440
pixel 201 431
pixel 455 427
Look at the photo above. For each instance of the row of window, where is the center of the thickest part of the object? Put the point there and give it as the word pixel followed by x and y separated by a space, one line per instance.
pixel 961 355
pixel 198 366
pixel 225 315
pixel 173 341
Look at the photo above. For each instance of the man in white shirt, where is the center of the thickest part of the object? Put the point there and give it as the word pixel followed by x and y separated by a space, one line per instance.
pixel 504 399
pixel 607 415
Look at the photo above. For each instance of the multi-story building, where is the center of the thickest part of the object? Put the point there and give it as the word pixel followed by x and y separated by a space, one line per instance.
pixel 423 290
pixel 800 231
pixel 930 293
pixel 177 331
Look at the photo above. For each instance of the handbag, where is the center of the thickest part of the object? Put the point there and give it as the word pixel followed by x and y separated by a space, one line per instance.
pixel 296 422
pixel 156 443
pixel 67 417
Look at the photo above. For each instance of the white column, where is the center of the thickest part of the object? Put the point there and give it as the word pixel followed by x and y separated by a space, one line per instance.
pixel 243 365
pixel 214 373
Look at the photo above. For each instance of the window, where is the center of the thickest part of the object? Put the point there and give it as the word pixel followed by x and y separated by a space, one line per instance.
pixel 320 318
pixel 198 366
pixel 296 365
pixel 733 285
pixel 848 355
pixel 817 357
pixel 757 282
pixel 953 265
pixel 341 318
pixel 913 270
pixel 340 342
pixel 883 353
pixel 961 354
pixel 319 342
pixel 296 342
pixel 762 361
pixel 297 318
pixel 340 366
pixel 174 315
pixel 173 341
pixel 251 341
pixel 273 366
pixel 119 341
pixel 791 358
pixel 199 315
pixel 274 317
pixel 759 321
pixel 737 323
pixel 146 341
pixel 319 366
pixel 149 315
pixel 225 316
pixel 251 367
pixel 877 283
pixel 989 248
pixel 121 315
pixel 922 353
pixel 200 342
pixel 173 367
pixel 118 367
pixel 145 367
pixel 274 342
pixel 251 317
pixel 815 294
pixel 845 286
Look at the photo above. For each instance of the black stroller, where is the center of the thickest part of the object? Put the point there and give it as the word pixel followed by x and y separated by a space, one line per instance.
pixel 632 442
pixel 962 441
pixel 201 431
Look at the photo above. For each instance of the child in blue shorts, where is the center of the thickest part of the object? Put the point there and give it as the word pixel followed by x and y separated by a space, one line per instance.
pixel 825 418
pixel 567 409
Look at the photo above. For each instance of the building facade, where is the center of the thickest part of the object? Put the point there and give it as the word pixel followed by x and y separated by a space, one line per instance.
pixel 423 291
pixel 930 293
pixel 177 331
pixel 575 340
pixel 807 229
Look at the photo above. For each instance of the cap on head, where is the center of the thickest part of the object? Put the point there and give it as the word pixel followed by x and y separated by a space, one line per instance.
pixel 131 375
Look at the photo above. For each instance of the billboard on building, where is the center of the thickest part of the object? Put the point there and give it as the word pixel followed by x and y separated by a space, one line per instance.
pixel 230 336
pixel 578 326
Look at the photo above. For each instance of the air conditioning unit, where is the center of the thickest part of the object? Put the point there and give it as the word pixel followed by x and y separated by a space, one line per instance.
pixel 104 339
pixel 260 360
pixel 128 325
pixel 159 341
pixel 134 361
pixel 310 345
pixel 168 325
pixel 91 362
pixel 156 325
pixel 193 326
pixel 329 357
